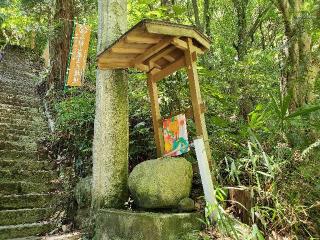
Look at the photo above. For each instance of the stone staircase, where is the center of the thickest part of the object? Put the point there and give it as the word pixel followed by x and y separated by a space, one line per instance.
pixel 28 190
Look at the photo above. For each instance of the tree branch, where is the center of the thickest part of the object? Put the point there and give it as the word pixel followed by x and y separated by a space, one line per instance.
pixel 259 20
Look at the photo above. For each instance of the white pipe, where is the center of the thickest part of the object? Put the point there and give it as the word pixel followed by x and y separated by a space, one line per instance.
pixel 206 178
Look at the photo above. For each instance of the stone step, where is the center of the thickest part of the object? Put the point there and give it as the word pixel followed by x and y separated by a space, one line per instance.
pixel 23 122
pixel 6 130
pixel 25 230
pixel 18 100
pixel 15 154
pixel 41 176
pixel 8 108
pixel 23 216
pixel 33 200
pixel 24 164
pixel 21 130
pixel 8 86
pixel 17 138
pixel 19 146
pixel 21 187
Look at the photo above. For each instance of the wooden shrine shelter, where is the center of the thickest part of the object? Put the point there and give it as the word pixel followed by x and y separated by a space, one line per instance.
pixel 159 49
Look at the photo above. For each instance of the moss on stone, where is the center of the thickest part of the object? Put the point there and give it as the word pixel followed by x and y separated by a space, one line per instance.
pixel 126 225
pixel 161 183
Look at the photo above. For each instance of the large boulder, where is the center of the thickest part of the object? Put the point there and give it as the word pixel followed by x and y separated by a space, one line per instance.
pixel 161 183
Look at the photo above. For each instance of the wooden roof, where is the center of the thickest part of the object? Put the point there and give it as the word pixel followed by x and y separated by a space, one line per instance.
pixel 152 46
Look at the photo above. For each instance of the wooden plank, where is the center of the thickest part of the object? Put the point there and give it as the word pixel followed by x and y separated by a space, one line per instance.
pixel 174 30
pixel 126 56
pixel 156 117
pixel 114 65
pixel 142 38
pixel 154 49
pixel 123 44
pixel 199 119
pixel 169 58
pixel 116 60
pixel 121 50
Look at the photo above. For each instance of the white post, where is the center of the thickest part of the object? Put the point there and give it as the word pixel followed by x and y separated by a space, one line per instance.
pixel 206 178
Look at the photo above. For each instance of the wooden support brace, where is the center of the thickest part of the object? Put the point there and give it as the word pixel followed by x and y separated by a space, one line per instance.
pixel 199 119
pixel 179 43
pixel 156 117
pixel 152 50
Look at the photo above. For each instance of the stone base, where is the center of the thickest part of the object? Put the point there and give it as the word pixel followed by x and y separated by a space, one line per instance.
pixel 114 224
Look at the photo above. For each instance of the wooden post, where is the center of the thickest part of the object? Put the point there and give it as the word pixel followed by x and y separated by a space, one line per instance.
pixel 156 117
pixel 199 119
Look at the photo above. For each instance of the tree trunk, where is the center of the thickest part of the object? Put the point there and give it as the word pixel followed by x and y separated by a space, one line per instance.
pixel 196 13
pixel 206 17
pixel 245 38
pixel 111 131
pixel 300 70
pixel 60 42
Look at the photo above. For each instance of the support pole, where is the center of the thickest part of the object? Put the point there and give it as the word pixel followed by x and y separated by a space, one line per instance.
pixel 199 119
pixel 156 117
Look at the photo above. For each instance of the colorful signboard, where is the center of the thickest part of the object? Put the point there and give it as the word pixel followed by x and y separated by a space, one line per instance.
pixel 79 55
pixel 175 135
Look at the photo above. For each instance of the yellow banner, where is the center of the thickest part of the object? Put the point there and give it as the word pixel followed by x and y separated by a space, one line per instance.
pixel 79 55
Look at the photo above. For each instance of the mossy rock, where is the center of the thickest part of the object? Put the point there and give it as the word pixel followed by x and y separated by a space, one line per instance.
pixel 161 183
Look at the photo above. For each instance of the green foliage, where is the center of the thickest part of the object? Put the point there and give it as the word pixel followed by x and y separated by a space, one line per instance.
pixel 257 140
pixel 75 118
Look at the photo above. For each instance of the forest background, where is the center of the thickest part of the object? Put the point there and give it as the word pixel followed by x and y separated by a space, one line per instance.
pixel 260 83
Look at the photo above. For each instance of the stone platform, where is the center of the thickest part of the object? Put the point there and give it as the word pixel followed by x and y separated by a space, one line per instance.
pixel 115 224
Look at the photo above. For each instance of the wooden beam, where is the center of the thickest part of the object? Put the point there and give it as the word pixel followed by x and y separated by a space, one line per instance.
pixel 199 119
pixel 179 43
pixel 173 67
pixel 154 70
pixel 142 67
pixel 156 117
pixel 169 69
pixel 161 54
pixel 152 50
pixel 169 58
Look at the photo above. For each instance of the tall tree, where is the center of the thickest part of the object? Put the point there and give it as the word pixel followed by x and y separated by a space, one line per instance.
pixel 301 68
pixel 111 133
pixel 245 32
pixel 60 41
pixel 196 13
pixel 206 17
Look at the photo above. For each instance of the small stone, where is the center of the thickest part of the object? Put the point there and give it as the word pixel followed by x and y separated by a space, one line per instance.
pixel 186 205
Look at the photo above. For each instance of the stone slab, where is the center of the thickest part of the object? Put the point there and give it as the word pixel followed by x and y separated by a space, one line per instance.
pixel 126 225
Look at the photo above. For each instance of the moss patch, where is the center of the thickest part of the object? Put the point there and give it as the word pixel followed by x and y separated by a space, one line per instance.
pixel 126 225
